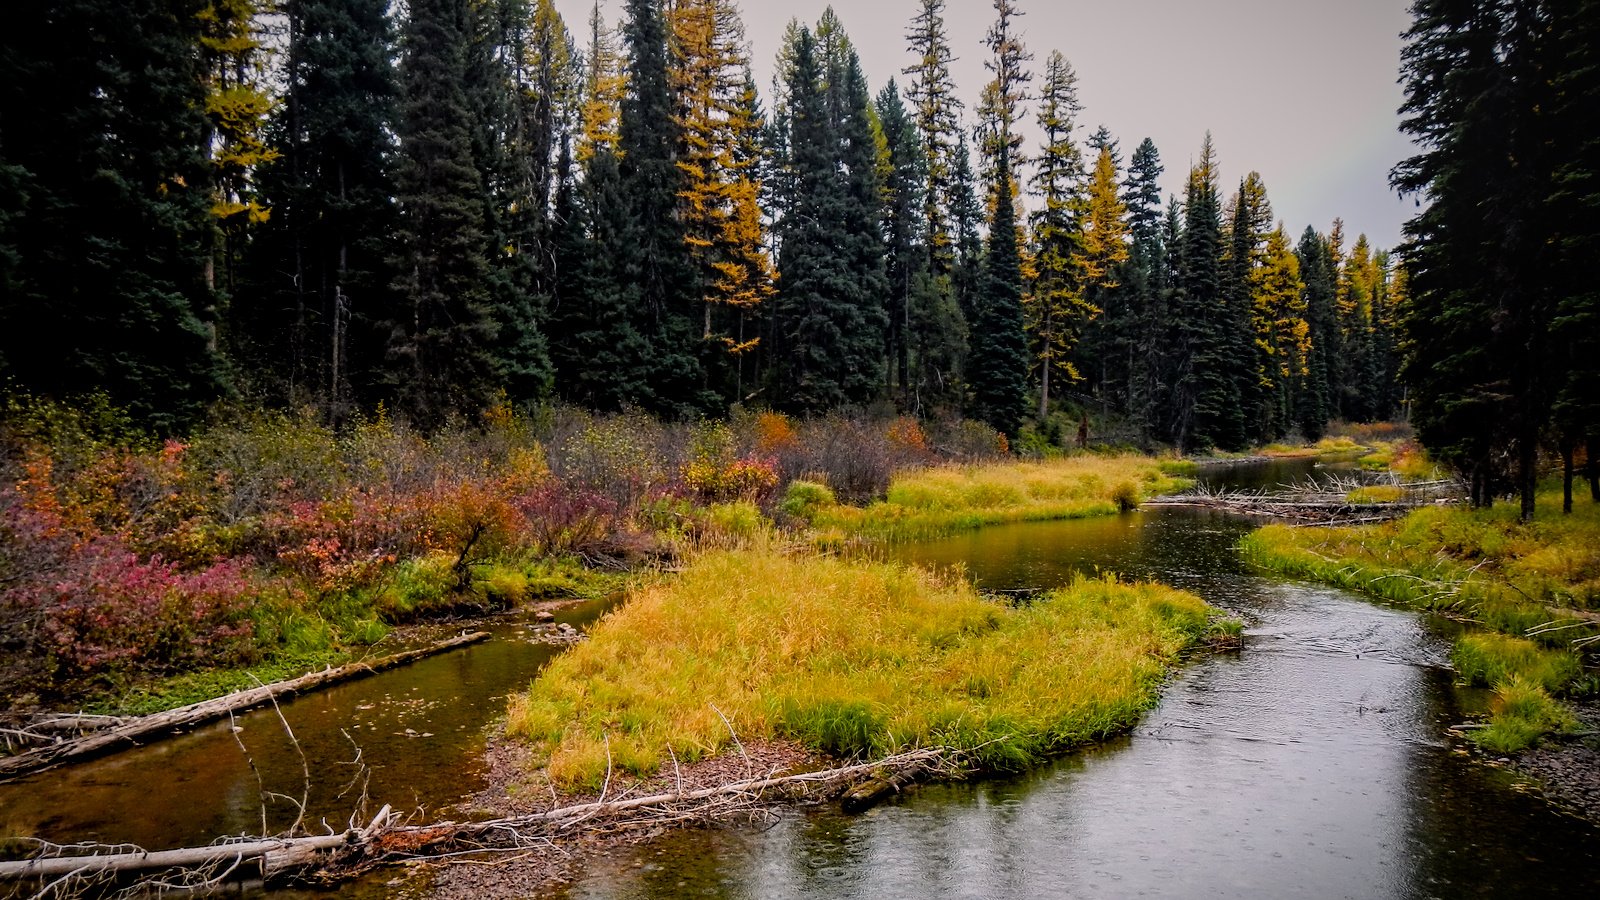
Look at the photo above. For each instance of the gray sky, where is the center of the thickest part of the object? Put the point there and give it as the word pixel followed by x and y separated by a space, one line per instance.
pixel 1302 91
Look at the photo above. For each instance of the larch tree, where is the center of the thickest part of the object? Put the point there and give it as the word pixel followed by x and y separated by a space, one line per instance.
pixel 1001 104
pixel 719 124
pixel 604 82
pixel 1101 247
pixel 1282 337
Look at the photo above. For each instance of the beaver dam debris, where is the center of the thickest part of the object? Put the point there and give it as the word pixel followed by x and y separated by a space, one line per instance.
pixel 386 839
pixel 1333 502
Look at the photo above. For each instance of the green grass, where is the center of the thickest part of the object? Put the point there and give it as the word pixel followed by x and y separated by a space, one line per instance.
pixel 1522 713
pixel 850 658
pixel 933 503
pixel 1521 583
pixel 193 687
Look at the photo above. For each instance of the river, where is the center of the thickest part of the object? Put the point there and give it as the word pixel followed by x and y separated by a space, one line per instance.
pixel 1310 764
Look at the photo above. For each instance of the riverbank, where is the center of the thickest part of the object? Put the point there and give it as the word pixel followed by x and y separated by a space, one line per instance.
pixel 1529 592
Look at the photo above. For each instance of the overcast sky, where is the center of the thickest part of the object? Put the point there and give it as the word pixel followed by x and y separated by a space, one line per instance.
pixel 1302 91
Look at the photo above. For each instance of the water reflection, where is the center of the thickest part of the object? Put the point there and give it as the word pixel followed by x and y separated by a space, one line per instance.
pixel 1309 765
pixel 419 729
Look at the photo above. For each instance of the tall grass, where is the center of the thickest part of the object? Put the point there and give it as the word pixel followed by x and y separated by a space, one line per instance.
pixel 1525 584
pixel 936 502
pixel 850 658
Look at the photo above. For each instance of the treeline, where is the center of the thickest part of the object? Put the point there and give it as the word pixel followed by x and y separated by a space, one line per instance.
pixel 316 202
pixel 1503 330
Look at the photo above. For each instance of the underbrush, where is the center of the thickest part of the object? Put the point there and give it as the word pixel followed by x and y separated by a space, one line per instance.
pixel 1525 585
pixel 937 502
pixel 268 537
pixel 853 659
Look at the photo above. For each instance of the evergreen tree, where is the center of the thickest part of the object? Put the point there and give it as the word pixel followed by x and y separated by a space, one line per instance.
pixel 1207 412
pixel 719 123
pixel 441 331
pixel 1144 286
pixel 828 312
pixel 901 184
pixel 1057 309
pixel 1314 401
pixel 1281 335
pixel 657 259
pixel 998 367
pixel 1000 107
pixel 932 93
pixel 1248 360
pixel 319 278
pixel 103 144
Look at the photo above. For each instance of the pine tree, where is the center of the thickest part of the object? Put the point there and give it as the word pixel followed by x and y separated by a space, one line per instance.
pixel 720 122
pixel 441 330
pixel 103 140
pixel 1281 335
pixel 1101 249
pixel 604 83
pixel 998 367
pixel 901 184
pixel 1144 286
pixel 1248 358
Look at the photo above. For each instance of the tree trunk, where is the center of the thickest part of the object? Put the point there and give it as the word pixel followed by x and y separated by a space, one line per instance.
pixel 1527 475
pixel 1566 478
pixel 1592 468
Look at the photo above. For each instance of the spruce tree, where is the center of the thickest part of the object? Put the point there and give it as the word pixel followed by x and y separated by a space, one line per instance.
pixel 107 221
pixel 1208 412
pixel 829 329
pixel 937 110
pixel 1057 309
pixel 319 277
pixel 1314 397
pixel 657 260
pixel 901 185
pixel 1248 358
pixel 441 329
pixel 998 367
pixel 1144 285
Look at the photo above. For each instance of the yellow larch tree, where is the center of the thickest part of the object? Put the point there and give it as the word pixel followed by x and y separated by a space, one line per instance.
pixel 719 121
pixel 603 85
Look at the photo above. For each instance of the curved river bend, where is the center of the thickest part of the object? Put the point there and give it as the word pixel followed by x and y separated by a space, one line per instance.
pixel 1311 764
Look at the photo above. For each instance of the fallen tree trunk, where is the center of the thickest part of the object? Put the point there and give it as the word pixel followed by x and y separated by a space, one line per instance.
pixel 352 851
pixel 133 732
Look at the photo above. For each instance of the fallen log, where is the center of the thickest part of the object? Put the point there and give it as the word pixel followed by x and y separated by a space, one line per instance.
pixel 286 858
pixel 136 731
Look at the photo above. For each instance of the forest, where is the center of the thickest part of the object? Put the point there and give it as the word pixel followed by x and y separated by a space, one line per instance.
pixel 339 204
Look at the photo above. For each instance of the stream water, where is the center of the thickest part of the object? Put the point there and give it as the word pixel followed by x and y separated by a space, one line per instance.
pixel 1311 764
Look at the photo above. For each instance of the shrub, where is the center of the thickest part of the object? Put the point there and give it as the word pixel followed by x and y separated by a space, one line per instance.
pixel 1126 496
pixel 804 498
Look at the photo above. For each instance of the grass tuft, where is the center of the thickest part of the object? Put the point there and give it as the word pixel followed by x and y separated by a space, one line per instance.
pixel 933 503
pixel 1523 712
pixel 850 658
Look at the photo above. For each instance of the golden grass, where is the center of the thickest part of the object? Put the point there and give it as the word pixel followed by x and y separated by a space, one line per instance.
pixel 849 657
pixel 1518 581
pixel 932 503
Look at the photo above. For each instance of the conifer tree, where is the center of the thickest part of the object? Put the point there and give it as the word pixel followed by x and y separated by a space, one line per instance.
pixel 1057 309
pixel 1144 286
pixel 1315 399
pixel 932 93
pixel 1207 409
pixel 308 323
pixel 103 140
pixel 901 185
pixel 1281 335
pixel 658 261
pixel 829 325
pixel 1000 107
pixel 442 329
pixel 997 370
pixel 719 123
pixel 1101 249
pixel 604 83
pixel 1247 359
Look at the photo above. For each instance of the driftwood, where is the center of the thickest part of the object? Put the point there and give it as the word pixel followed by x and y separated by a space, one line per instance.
pixel 383 840
pixel 133 732
pixel 1319 504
